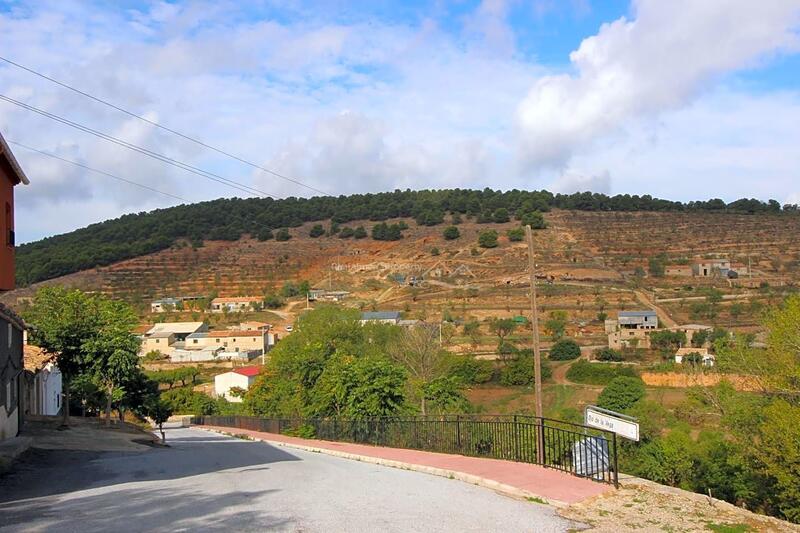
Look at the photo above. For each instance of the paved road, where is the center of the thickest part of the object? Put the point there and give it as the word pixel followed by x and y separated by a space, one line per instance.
pixel 207 482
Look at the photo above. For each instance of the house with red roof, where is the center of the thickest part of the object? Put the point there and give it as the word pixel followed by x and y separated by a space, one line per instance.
pixel 227 384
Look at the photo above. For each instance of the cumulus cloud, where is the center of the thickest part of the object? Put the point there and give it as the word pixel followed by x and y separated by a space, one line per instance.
pixel 658 61
pixel 572 181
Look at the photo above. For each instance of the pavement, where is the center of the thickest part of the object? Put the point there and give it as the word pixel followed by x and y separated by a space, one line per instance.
pixel 207 482
pixel 521 480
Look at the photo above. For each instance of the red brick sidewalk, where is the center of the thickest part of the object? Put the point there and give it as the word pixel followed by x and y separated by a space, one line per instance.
pixel 515 479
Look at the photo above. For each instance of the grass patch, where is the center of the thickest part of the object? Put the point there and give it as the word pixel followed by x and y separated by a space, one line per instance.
pixel 536 499
pixel 598 373
pixel 728 528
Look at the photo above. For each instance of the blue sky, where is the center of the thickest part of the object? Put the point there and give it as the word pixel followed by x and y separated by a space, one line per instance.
pixel 678 99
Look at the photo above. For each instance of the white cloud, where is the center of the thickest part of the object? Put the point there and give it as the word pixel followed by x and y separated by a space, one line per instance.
pixel 572 181
pixel 658 61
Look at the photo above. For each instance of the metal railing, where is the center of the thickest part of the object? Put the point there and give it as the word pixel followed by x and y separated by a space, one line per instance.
pixel 572 448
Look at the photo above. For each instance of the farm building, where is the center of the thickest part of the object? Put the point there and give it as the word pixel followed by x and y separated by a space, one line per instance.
pixel 711 268
pixel 330 296
pixel 182 355
pixel 700 355
pixel 252 325
pixel 235 304
pixel 637 319
pixel 241 378
pixel 180 330
pixel 251 341
pixel 165 305
pixel 384 317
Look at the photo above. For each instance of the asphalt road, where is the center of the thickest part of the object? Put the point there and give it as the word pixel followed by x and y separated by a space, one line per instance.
pixel 207 482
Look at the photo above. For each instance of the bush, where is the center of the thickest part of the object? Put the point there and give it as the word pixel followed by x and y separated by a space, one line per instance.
pixel 608 354
pixel 282 235
pixel 597 373
pixel 534 219
pixel 565 350
pixel 451 233
pixel 435 251
pixel 155 355
pixel 360 233
pixel 488 239
pixel 501 215
pixel 264 234
pixel 470 370
pixel 316 231
pixel 520 371
pixel 273 301
pixel 621 393
pixel 346 233
pixel 185 401
pixel 516 234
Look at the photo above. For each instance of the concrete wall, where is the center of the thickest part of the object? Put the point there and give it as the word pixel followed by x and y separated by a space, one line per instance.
pixel 6 225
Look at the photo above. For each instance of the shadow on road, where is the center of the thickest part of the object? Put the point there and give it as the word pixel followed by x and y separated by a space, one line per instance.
pixel 42 473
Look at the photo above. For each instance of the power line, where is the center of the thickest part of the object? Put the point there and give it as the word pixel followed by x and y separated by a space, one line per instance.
pixel 160 126
pixel 137 184
pixel 144 151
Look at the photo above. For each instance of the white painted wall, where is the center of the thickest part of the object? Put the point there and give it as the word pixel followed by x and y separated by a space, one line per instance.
pixel 223 383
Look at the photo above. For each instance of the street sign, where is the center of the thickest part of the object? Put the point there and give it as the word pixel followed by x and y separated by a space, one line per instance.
pixel 622 425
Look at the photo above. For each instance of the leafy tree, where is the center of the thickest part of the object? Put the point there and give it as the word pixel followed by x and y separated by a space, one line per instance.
pixel 516 234
pixel 264 234
pixel 289 290
pixel 487 239
pixel 520 371
pixel 621 393
pixel 443 395
pixel 565 350
pixel 316 231
pixel 418 349
pixel 159 412
pixel 608 354
pixel 451 233
pixel 534 219
pixel 556 324
pixel 360 233
pixel 502 327
pixel 282 235
pixel 472 330
pixel 346 233
pixel 667 341
pixel 186 401
pixel 656 267
pixel 500 215
pixel 469 370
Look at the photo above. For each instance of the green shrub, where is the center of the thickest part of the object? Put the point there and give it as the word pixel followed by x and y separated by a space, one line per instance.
pixel 264 234
pixel 470 370
pixel 304 431
pixel 608 354
pixel 621 393
pixel 488 239
pixel 515 234
pixel 360 233
pixel 534 219
pixel 282 235
pixel 597 373
pixel 316 231
pixel 451 233
pixel 346 233
pixel 565 350
pixel 520 371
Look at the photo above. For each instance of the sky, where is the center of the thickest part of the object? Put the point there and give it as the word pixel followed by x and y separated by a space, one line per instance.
pixel 682 100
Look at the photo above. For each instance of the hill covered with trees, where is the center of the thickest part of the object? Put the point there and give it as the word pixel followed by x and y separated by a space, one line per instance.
pixel 228 219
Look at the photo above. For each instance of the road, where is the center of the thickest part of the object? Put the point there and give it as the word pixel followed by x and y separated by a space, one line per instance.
pixel 208 482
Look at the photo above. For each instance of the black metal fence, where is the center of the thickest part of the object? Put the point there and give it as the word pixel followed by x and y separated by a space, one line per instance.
pixel 573 448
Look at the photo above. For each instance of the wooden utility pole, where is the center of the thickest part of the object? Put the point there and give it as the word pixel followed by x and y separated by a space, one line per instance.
pixel 537 356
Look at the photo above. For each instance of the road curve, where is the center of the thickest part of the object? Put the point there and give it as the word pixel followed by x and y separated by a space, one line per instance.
pixel 207 482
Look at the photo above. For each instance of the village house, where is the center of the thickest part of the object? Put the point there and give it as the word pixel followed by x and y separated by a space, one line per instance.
pixel 241 378
pixel 328 296
pixel 711 268
pixel 165 337
pixel 43 383
pixel 235 304
pixel 690 330
pixel 631 329
pixel 11 368
pixel 383 317
pixel 252 342
pixel 11 175
pixel 164 305
pixel 252 325
pixel 700 355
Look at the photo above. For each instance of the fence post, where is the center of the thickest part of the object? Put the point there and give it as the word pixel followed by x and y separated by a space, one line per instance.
pixel 516 439
pixel 541 456
pixel 616 463
pixel 458 431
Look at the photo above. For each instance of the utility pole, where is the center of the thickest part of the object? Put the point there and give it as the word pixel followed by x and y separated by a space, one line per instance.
pixel 537 356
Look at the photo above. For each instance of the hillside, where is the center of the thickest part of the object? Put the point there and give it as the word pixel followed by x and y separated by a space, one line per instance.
pixel 138 234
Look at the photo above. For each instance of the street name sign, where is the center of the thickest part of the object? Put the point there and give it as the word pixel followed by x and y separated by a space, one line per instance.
pixel 622 425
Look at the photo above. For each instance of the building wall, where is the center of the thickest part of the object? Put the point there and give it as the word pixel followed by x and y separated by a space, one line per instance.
pixel 6 225
pixel 159 343
pixel 44 392
pixel 10 379
pixel 223 383
pixel 254 341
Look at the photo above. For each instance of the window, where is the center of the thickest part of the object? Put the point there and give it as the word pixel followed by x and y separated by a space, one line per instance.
pixel 9 226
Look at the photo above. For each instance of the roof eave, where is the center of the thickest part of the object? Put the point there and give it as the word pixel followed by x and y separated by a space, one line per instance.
pixel 13 161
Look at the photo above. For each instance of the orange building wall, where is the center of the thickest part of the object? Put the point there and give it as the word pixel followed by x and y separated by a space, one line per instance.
pixel 6 252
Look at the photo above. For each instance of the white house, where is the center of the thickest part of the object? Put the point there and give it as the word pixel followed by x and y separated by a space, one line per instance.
pixel 241 378
pixel 705 358
pixel 383 317
pixel 43 382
